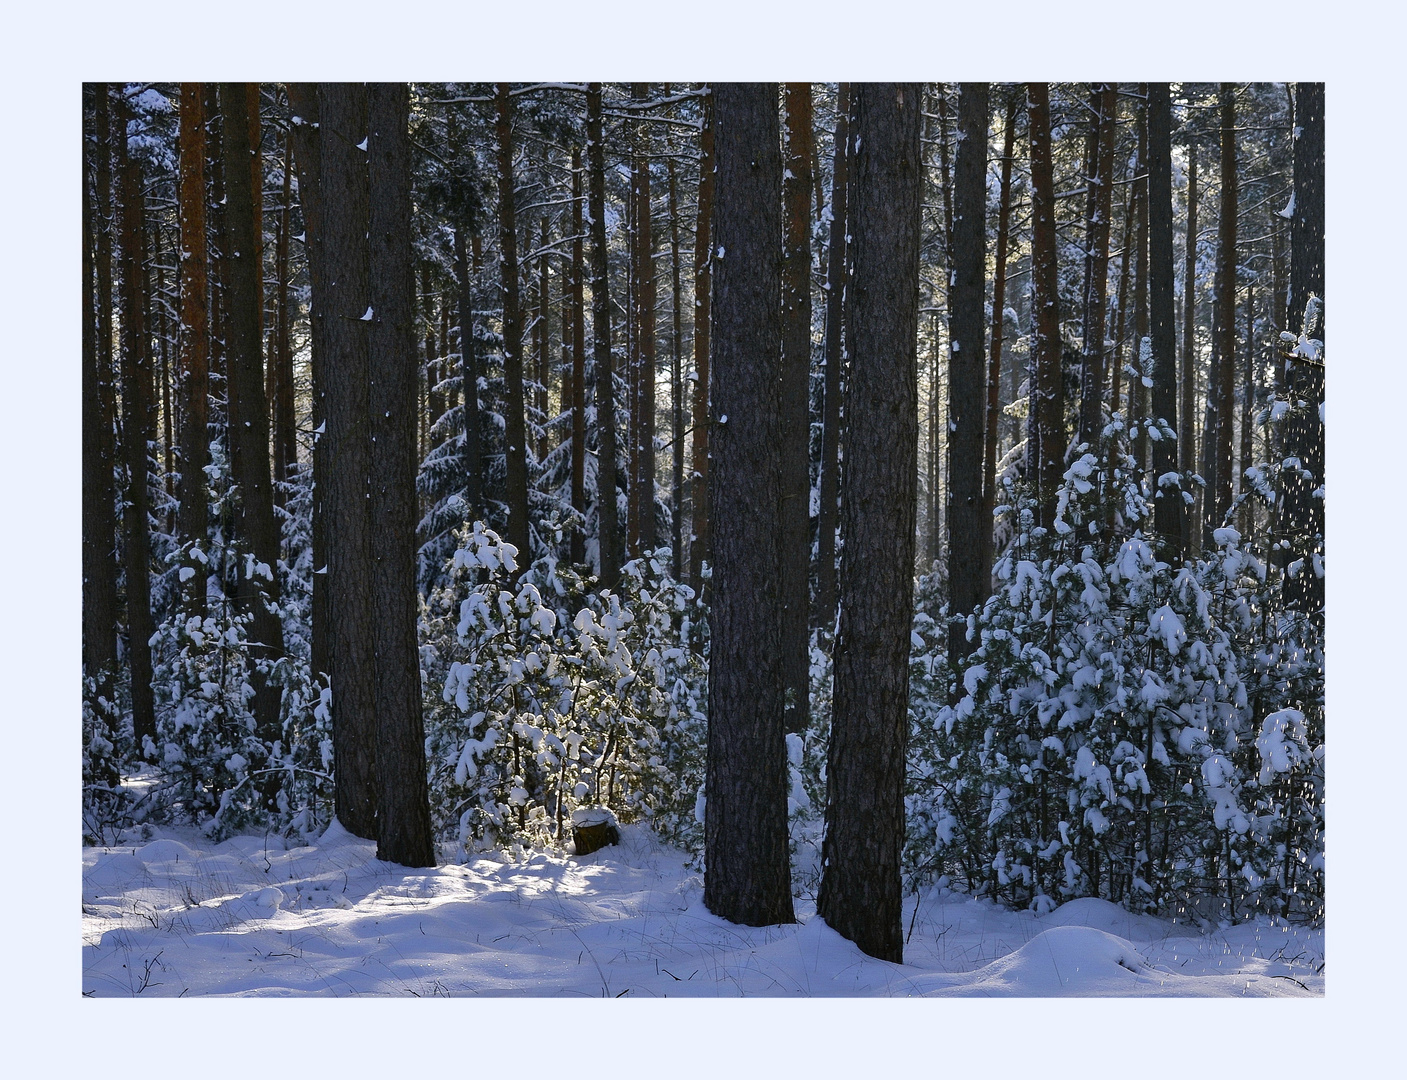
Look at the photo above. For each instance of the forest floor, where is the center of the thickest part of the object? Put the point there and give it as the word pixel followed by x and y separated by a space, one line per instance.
pixel 174 915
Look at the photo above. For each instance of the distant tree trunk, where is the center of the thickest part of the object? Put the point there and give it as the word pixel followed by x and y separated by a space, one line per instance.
pixel 434 397
pixel 1138 393
pixel 515 428
pixel 994 369
pixel 469 376
pixel 967 580
pixel 676 383
pixel 542 343
pixel 1098 204
pixel 606 507
pixel 860 895
pixel 195 341
pixel 1302 516
pixel 835 355
pixel 699 552
pixel 286 439
pixel 99 519
pixel 1187 433
pixel 645 249
pixel 218 245
pixel 402 802
pixel 748 879
pixel 1046 439
pixel 346 307
pixel 249 415
pixel 137 433
pixel 1167 505
pixel 1224 387
pixel 1248 405
pixel 303 109
pixel 1121 307
pixel 795 404
pixel 578 403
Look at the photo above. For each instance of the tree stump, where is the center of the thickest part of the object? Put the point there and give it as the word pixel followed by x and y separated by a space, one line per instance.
pixel 593 828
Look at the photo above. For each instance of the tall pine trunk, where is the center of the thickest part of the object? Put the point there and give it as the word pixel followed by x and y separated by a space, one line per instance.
pixel 607 509
pixel 703 268
pixel 195 340
pixel 515 427
pixel 1099 204
pixel 994 368
pixel 1046 437
pixel 1223 388
pixel 578 401
pixel 1168 504
pixel 1187 433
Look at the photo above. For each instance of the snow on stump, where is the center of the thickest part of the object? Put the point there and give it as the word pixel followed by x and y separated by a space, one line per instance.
pixel 594 827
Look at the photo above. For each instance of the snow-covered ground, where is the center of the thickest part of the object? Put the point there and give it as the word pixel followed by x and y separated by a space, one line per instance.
pixel 172 916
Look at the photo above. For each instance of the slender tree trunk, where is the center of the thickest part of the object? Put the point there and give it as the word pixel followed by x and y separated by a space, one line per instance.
pixel 835 353
pixel 606 506
pixel 515 430
pixel 402 802
pixel 1187 433
pixel 1167 505
pixel 1225 370
pixel 699 549
pixel 303 127
pixel 249 415
pixel 434 397
pixel 795 405
pixel 676 383
pixel 1138 392
pixel 469 375
pixel 649 536
pixel 1121 308
pixel 137 433
pixel 1248 406
pixel 1098 204
pixel 860 895
pixel 578 402
pixel 994 369
pixel 286 443
pixel 745 817
pixel 967 579
pixel 1046 439
pixel 99 519
pixel 542 343
pixel 347 311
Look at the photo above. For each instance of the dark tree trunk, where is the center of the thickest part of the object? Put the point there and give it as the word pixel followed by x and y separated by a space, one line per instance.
pixel 137 433
pixel 1138 392
pixel 835 355
pixel 249 416
pixel 402 802
pixel 860 895
pixel 994 369
pixel 99 518
pixel 1098 204
pixel 515 428
pixel 745 818
pixel 645 333
pixel 347 310
pixel 195 341
pixel 676 383
pixel 795 403
pixel 1224 382
pixel 608 519
pixel 1187 433
pixel 1245 518
pixel 1046 431
pixel 703 263
pixel 1121 307
pixel 1167 505
pixel 1302 515
pixel 434 398
pixel 469 377
pixel 578 551
pixel 286 438
pixel 967 578
pixel 303 109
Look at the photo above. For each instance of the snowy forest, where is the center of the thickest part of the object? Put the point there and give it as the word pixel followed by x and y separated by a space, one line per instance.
pixel 826 520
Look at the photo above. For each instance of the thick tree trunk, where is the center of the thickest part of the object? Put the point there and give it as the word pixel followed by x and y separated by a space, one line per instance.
pixel 994 369
pixel 1187 433
pixel 1046 430
pixel 745 818
pixel 137 433
pixel 795 403
pixel 249 416
pixel 1167 505
pixel 402 802
pixel 1224 383
pixel 860 895
pixel 99 518
pixel 967 578
pixel 515 427
pixel 195 341
pixel 699 552
pixel 835 354
pixel 1098 204
pixel 346 308
pixel 578 402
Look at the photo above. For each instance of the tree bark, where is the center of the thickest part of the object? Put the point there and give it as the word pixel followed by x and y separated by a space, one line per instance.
pixel 967 584
pixel 676 383
pixel 1187 433
pixel 1046 431
pixel 1138 393
pixel 994 369
pixel 748 879
pixel 402 802
pixel 1224 387
pixel 469 377
pixel 343 195
pixel 1167 505
pixel 645 307
pixel 703 262
pixel 608 520
pixel 515 427
pixel 795 404
pixel 286 437
pixel 835 355
pixel 860 895
pixel 578 401
pixel 195 341
pixel 1098 206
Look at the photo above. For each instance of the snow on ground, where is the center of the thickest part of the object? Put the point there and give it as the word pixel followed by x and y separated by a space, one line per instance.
pixel 174 916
